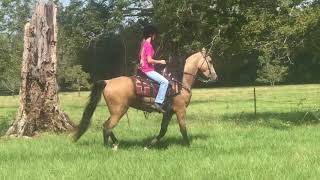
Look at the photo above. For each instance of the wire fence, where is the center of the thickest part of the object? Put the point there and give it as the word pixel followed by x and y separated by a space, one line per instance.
pixel 258 100
pixel 290 100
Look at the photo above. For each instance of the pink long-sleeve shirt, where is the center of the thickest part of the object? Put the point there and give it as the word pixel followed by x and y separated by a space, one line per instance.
pixel 147 50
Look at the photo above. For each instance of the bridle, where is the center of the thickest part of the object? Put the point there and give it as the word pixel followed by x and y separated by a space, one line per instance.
pixel 194 76
pixel 204 61
pixel 204 56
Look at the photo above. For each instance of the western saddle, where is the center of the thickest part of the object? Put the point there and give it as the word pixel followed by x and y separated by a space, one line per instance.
pixel 147 89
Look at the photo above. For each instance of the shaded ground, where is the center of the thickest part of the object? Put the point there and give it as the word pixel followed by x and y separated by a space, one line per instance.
pixel 4 125
pixel 275 120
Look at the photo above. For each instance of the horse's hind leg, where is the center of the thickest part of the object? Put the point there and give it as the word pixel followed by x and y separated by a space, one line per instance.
pixel 107 132
pixel 110 124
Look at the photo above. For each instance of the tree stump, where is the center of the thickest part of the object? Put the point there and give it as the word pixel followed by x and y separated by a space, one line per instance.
pixel 39 102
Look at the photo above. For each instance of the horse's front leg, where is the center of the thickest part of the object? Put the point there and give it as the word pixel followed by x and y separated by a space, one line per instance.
pixel 181 116
pixel 164 126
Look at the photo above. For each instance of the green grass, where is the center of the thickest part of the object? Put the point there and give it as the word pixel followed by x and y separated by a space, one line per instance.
pixel 227 141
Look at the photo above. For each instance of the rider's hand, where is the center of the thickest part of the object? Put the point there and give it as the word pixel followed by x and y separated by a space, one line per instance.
pixel 163 62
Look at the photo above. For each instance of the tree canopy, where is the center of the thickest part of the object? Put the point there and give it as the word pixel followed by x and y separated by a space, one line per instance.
pixel 254 39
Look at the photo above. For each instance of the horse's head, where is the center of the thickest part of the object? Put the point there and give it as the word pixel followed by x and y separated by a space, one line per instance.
pixel 205 65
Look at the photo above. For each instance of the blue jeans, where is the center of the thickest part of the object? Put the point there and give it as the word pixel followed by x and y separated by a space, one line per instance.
pixel 164 83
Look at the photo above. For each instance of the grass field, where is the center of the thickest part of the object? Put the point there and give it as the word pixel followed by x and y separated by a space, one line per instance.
pixel 227 140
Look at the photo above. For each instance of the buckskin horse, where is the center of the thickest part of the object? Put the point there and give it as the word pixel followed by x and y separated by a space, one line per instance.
pixel 119 94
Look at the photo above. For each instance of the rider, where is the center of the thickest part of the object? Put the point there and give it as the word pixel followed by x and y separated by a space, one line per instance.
pixel 147 64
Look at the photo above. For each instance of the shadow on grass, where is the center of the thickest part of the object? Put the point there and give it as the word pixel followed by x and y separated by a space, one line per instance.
pixel 4 126
pixel 196 102
pixel 275 120
pixel 162 145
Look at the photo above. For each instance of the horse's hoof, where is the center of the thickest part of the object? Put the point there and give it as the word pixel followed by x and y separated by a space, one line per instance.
pixel 115 147
pixel 154 142
pixel 186 144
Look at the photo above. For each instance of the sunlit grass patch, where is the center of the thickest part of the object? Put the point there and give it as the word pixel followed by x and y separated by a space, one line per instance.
pixel 228 141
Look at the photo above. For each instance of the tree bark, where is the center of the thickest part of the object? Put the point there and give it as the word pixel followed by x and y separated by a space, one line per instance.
pixel 39 103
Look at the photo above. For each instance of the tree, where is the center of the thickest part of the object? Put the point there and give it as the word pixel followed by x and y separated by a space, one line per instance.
pixel 10 65
pixel 13 16
pixel 276 33
pixel 76 78
pixel 86 30
pixel 271 72
pixel 11 81
pixel 288 29
pixel 39 109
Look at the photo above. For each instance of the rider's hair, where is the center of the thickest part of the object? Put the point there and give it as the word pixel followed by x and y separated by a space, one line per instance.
pixel 148 31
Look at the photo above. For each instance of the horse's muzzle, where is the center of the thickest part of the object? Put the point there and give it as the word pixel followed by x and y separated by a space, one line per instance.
pixel 214 78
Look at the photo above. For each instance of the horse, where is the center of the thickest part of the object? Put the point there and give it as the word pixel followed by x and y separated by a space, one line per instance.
pixel 119 94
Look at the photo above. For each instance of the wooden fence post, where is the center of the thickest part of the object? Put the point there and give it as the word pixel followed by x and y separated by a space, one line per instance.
pixel 255 101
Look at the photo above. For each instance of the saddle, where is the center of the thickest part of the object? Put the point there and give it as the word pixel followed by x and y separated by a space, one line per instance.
pixel 146 87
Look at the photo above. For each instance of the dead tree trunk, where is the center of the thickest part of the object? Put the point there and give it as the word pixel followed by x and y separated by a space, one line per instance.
pixel 39 104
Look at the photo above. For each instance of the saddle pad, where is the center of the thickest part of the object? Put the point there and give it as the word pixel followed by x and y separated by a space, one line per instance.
pixel 147 88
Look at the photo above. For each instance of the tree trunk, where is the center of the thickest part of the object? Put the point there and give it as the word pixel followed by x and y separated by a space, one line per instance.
pixel 39 103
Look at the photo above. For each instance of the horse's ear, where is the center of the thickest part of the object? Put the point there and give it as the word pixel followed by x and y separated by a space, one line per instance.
pixel 204 50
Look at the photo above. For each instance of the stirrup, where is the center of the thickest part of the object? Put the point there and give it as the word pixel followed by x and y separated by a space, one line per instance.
pixel 158 108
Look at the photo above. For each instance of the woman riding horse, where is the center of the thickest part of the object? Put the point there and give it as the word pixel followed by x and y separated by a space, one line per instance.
pixel 147 65
pixel 119 94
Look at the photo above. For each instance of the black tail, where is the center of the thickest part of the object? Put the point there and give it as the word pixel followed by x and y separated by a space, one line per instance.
pixel 95 97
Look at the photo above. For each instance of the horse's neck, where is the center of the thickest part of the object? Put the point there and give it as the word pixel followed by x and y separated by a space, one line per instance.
pixel 190 69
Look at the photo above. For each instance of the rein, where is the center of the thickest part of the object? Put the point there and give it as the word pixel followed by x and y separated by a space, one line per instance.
pixel 185 87
pixel 194 76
